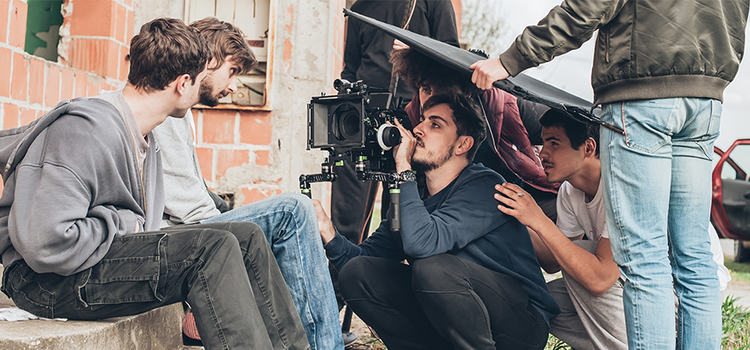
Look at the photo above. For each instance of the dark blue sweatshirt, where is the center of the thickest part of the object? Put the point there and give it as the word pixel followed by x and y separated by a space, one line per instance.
pixel 462 220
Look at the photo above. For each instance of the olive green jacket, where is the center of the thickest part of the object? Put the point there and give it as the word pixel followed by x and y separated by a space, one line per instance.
pixel 645 49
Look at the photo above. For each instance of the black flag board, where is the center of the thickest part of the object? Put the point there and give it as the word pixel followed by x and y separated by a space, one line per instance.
pixel 522 86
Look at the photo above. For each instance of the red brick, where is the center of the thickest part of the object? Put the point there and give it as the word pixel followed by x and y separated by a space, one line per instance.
pixel 112 62
pixel 206 160
pixel 229 158
pixel 89 55
pixel 17 31
pixel 52 88
pixel 10 116
pixel 20 83
pixel 36 80
pixel 128 3
pixel 4 6
pixel 81 82
pixel 92 18
pixel 130 24
pixel 67 90
pixel 122 24
pixel 92 85
pixel 5 62
pixel 255 128
pixel 262 158
pixel 218 126
pixel 26 115
pixel 123 68
pixel 253 195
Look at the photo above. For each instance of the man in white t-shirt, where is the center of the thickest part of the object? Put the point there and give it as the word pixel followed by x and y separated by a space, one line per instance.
pixel 590 291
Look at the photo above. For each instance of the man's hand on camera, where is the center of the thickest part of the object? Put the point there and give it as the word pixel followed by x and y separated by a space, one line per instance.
pixel 487 72
pixel 404 151
pixel 327 232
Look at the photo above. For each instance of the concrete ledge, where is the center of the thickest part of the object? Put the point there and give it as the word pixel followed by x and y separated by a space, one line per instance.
pixel 158 329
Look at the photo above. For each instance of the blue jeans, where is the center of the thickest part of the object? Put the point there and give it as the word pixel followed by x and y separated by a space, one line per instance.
pixel 291 228
pixel 657 181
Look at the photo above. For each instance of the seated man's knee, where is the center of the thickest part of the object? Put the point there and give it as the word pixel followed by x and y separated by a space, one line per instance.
pixel 432 273
pixel 354 275
pixel 295 202
pixel 248 234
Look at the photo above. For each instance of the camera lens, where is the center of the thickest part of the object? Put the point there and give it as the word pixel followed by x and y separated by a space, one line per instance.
pixel 346 119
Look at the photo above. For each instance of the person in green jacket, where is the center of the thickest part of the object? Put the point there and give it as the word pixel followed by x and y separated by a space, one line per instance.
pixel 660 69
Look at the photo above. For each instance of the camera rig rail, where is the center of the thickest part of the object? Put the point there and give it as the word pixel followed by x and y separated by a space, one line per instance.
pixel 364 173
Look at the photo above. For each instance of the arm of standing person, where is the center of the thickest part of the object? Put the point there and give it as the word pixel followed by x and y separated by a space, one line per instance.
pixel 186 199
pixel 565 28
pixel 352 51
pixel 596 272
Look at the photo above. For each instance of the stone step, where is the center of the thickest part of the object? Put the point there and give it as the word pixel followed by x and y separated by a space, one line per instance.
pixel 159 329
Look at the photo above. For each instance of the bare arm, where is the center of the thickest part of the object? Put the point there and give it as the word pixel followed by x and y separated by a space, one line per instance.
pixel 596 272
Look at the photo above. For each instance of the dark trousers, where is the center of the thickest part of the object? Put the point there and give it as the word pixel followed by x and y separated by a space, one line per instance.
pixel 442 302
pixel 226 271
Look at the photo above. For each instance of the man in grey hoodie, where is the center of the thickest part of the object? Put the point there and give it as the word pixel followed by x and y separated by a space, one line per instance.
pixel 83 200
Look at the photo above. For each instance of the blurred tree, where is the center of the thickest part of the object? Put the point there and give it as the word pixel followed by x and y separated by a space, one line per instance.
pixel 482 26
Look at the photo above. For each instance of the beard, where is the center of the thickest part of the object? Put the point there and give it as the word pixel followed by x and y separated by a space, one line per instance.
pixel 206 95
pixel 432 160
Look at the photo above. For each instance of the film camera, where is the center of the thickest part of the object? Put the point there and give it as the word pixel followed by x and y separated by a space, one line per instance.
pixel 353 120
pixel 354 124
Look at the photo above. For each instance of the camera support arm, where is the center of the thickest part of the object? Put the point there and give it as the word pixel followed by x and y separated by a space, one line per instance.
pixel 393 180
pixel 326 175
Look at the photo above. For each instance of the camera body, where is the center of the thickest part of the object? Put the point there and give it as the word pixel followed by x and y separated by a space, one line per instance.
pixel 355 120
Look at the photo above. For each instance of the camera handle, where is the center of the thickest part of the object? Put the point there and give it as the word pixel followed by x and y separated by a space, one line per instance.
pixel 326 175
pixel 393 180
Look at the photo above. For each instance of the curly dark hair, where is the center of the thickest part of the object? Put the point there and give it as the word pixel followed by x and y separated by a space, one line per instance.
pixel 418 71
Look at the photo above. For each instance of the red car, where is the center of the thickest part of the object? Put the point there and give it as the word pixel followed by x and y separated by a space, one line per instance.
pixel 730 203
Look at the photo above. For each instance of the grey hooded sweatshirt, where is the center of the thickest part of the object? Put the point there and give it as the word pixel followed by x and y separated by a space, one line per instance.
pixel 73 183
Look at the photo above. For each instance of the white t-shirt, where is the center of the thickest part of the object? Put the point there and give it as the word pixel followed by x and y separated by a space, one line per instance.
pixel 575 216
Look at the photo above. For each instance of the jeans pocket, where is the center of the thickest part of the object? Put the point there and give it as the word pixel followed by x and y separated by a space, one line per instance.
pixel 122 280
pixel 648 124
pixel 706 138
pixel 26 293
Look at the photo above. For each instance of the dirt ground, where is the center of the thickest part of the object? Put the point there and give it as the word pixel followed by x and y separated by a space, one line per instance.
pixel 365 339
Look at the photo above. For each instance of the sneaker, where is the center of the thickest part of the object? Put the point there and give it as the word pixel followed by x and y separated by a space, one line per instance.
pixel 349 337
pixel 190 334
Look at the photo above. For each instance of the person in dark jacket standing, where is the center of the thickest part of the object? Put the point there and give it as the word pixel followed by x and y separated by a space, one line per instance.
pixel 660 69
